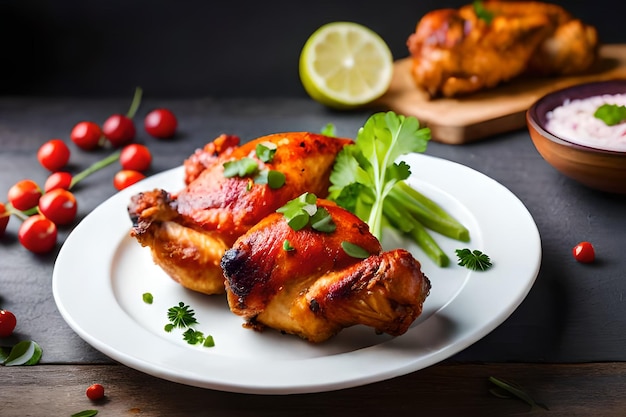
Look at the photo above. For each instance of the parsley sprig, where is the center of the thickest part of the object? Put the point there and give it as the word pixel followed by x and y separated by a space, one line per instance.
pixel 183 316
pixel 473 259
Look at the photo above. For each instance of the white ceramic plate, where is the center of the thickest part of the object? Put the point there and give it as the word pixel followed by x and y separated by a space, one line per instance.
pixel 100 297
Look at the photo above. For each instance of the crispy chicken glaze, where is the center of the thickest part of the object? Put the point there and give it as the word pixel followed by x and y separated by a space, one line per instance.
pixel 458 51
pixel 317 289
pixel 188 231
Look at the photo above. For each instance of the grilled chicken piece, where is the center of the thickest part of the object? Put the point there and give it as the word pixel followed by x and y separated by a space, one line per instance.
pixel 188 231
pixel 317 289
pixel 459 51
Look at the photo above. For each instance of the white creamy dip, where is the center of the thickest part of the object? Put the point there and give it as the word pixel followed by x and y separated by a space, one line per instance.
pixel 574 121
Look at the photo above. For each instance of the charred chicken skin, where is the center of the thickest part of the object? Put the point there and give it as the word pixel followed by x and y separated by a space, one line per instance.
pixel 461 51
pixel 316 289
pixel 188 231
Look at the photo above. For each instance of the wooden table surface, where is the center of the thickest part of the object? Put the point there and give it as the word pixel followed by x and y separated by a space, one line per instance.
pixel 565 343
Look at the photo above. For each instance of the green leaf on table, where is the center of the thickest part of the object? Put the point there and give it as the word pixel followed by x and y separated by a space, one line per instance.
pixel 507 389
pixel 85 413
pixel 4 353
pixel 25 352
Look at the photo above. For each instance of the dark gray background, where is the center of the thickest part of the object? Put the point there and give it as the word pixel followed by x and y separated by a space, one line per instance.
pixel 199 48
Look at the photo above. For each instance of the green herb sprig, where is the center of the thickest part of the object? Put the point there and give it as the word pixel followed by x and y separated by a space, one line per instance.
pixel 368 180
pixel 183 316
pixel 473 259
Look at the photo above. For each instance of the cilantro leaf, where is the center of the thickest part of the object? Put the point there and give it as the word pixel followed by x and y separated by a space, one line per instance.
pixel 240 167
pixel 473 259
pixel 354 250
pixel 303 211
pixel 371 162
pixel 611 114
pixel 265 151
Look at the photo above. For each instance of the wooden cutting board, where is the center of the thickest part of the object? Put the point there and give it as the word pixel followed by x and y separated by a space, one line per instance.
pixel 462 120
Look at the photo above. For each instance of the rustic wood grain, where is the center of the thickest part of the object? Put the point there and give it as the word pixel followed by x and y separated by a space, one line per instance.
pixel 448 389
pixel 487 113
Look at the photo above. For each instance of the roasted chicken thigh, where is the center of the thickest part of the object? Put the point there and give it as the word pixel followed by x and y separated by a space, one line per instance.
pixel 478 46
pixel 314 288
pixel 189 230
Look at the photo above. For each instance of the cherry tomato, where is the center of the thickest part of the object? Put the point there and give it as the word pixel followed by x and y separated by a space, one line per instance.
pixel 58 205
pixel 86 135
pixel 24 194
pixel 4 218
pixel 58 180
pixel 136 157
pixel 7 323
pixel 584 252
pixel 38 234
pixel 95 392
pixel 53 155
pixel 126 178
pixel 160 123
pixel 119 129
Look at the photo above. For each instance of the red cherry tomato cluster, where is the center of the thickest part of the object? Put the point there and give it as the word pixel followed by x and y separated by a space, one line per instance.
pixel 43 210
pixel 7 323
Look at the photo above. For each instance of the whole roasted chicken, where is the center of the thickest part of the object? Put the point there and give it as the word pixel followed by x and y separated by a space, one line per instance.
pixel 189 230
pixel 304 282
pixel 478 46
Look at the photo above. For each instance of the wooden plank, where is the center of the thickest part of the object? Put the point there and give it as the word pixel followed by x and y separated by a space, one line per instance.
pixel 502 109
pixel 445 389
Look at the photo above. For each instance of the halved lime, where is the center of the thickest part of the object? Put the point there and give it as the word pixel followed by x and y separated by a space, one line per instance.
pixel 345 65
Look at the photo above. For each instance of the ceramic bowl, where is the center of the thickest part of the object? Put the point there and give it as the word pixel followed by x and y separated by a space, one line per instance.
pixel 596 168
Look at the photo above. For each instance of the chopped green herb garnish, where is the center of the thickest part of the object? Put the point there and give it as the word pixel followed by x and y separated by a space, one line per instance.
pixel 611 114
pixel 482 13
pixel 274 179
pixel 303 211
pixel 147 298
pixel 181 315
pixel 328 130
pixel 208 341
pixel 475 260
pixel 287 246
pixel 265 151
pixel 241 167
pixel 353 250
pixel 322 221
pixel 193 337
